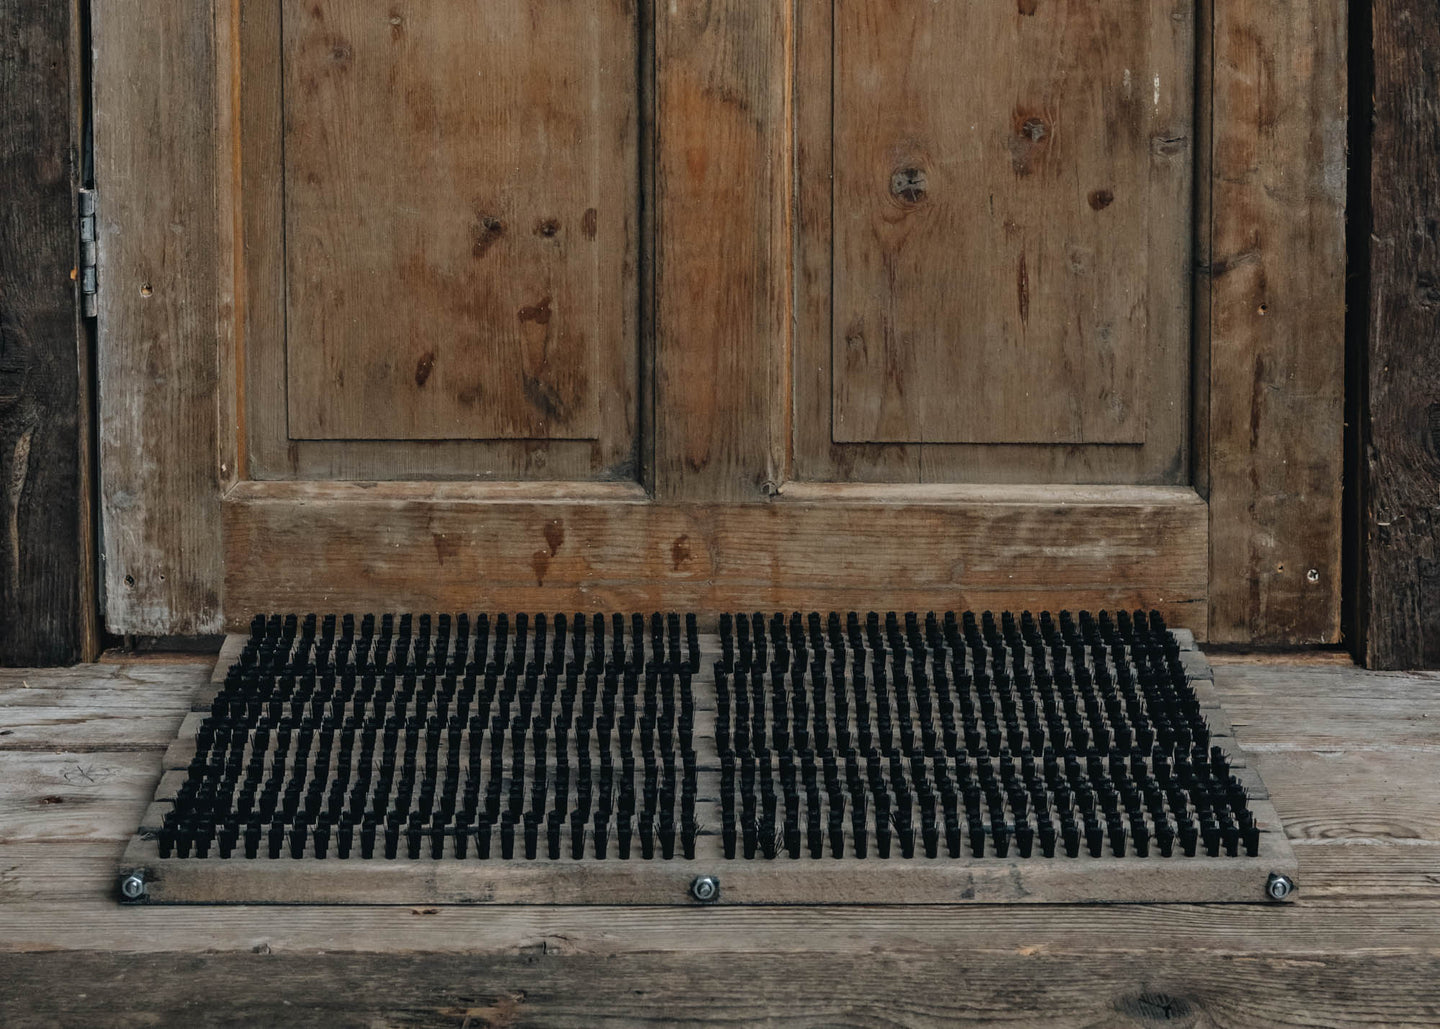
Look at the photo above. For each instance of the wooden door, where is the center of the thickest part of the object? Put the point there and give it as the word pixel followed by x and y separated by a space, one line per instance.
pixel 572 305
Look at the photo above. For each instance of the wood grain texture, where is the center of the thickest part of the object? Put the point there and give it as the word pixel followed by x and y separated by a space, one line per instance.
pixel 1298 931
pixel 1122 989
pixel 47 589
pixel 154 75
pixel 1001 240
pixel 1200 307
pixel 459 233
pixel 817 456
pixel 1396 714
pixel 1400 592
pixel 617 883
pixel 722 247
pixel 1275 289
pixel 1359 793
pixel 254 193
pixel 723 181
pixel 339 548
pixel 1356 868
pixel 75 709
pixel 82 795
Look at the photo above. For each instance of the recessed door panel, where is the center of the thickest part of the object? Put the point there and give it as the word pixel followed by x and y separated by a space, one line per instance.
pixel 1010 217
pixel 459 247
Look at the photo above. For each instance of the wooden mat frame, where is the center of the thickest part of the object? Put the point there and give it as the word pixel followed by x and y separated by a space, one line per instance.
pixel 807 881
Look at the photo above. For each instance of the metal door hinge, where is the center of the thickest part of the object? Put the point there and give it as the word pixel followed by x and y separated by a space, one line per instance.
pixel 89 275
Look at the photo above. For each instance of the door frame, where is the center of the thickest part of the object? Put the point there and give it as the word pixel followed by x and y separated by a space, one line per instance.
pixel 1231 558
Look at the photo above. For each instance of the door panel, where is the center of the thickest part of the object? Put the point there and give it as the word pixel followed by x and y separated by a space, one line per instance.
pixel 439 204
pixel 992 230
pixel 994 235
pixel 453 250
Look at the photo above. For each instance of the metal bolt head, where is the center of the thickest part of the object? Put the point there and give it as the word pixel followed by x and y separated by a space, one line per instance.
pixel 1279 887
pixel 132 886
pixel 705 889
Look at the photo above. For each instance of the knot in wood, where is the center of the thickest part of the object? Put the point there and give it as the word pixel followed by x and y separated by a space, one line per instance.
pixel 909 184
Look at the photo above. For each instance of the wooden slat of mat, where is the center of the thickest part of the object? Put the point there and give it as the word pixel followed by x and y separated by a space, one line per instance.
pixel 780 881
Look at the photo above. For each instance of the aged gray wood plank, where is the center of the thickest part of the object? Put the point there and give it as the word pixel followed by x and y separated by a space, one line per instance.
pixel 1359 867
pixel 1116 987
pixel 36 871
pixel 1310 926
pixel 1308 707
pixel 105 707
pixel 1276 320
pixel 154 85
pixel 1383 795
pixel 798 883
pixel 46 796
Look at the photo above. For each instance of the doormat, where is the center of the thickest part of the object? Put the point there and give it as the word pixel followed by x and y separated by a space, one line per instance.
pixel 783 759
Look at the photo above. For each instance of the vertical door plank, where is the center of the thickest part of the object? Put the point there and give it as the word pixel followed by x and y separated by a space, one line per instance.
pixel 723 262
pixel 460 186
pixel 1276 294
pixel 1400 591
pixel 1011 216
pixel 1204 15
pixel 157 366
pixel 47 594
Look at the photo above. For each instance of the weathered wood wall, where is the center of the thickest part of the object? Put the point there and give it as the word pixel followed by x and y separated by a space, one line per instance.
pixel 47 597
pixel 1400 572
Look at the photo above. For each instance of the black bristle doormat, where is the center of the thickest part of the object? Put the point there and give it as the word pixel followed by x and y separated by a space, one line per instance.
pixel 786 758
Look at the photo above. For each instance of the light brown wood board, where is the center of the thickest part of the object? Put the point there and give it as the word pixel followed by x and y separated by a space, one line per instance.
pixel 398 240
pixel 1028 300
pixel 419 547
pixel 1274 328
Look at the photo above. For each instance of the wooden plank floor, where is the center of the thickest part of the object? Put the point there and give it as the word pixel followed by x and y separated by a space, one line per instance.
pixel 1351 758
